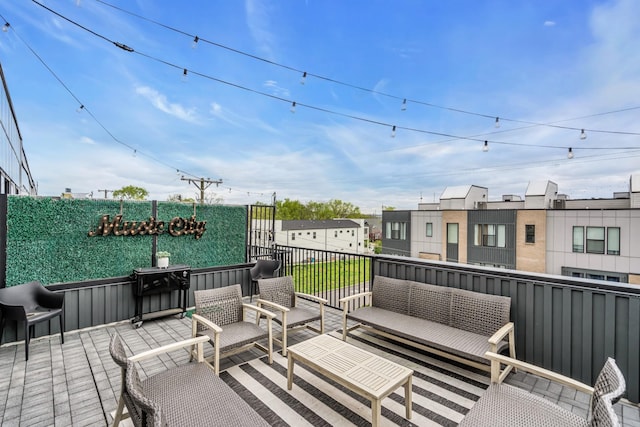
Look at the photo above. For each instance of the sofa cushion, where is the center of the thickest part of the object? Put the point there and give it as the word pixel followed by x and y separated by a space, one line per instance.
pixel 430 302
pixel 479 313
pixel 391 294
pixel 432 334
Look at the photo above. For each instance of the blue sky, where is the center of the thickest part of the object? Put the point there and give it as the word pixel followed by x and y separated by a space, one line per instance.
pixel 459 64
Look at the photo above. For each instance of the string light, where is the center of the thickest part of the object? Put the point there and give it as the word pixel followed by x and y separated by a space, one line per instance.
pixel 393 131
pixel 185 77
pixel 362 88
pixel 485 147
pixel 293 107
pixel 5 27
pixel 310 106
pixel 404 105
pixel 570 154
pixel 304 78
pixel 583 135
pixel 497 125
pixel 80 108
pixel 195 42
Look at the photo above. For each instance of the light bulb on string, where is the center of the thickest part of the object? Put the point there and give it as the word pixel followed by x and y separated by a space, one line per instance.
pixel 5 27
pixel 135 152
pixel 404 105
pixel 185 76
pixel 303 80
pixel 293 107
pixel 497 122
pixel 570 153
pixel 194 45
pixel 583 135
pixel 80 108
pixel 485 147
pixel 393 132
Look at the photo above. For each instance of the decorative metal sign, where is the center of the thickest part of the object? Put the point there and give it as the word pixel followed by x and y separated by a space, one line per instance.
pixel 176 227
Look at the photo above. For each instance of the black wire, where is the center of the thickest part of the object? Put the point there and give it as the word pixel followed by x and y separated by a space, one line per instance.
pixel 238 86
pixel 404 99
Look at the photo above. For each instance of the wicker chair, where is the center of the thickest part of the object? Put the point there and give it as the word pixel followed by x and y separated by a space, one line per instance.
pixel 30 303
pixel 278 294
pixel 220 315
pixel 182 395
pixel 505 405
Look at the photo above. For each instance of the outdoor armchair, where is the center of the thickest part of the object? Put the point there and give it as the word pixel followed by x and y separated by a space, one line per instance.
pixel 279 295
pixel 184 395
pixel 506 405
pixel 221 316
pixel 30 303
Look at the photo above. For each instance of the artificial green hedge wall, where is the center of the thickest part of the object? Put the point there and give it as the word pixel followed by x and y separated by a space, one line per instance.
pixel 47 238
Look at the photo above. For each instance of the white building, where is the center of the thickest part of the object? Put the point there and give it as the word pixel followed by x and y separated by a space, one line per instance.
pixel 336 235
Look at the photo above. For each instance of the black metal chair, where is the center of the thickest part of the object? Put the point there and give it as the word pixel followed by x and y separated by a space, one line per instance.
pixel 263 269
pixel 30 303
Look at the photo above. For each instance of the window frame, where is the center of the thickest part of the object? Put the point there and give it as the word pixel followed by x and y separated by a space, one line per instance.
pixel 580 247
pixel 616 240
pixel 530 233
pixel 595 245
pixel 429 229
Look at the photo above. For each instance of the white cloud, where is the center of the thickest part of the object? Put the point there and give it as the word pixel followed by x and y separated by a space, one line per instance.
pixel 258 21
pixel 87 140
pixel 549 23
pixel 161 102
pixel 276 90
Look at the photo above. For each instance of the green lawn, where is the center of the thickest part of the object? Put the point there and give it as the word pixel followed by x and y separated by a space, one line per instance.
pixel 316 276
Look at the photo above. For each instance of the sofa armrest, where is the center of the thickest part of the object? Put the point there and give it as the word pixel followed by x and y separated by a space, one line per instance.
pixel 169 348
pixel 500 334
pixel 536 370
pixel 345 300
pixel 312 297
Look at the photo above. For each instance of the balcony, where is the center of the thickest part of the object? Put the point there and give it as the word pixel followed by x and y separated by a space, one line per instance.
pixel 562 324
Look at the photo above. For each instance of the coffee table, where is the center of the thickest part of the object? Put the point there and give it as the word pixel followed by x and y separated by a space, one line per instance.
pixel 364 373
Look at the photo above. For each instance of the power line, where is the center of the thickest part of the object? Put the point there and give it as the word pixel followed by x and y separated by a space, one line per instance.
pixel 404 99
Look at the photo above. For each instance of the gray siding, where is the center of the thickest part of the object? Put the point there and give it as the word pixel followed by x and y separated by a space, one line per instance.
pixel 114 302
pixel 492 255
pixel 396 246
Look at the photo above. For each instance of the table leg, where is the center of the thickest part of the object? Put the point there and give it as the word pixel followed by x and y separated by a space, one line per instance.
pixel 376 409
pixel 408 400
pixel 289 371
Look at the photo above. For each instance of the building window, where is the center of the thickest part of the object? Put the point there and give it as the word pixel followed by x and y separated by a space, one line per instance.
pixel 595 240
pixel 293 236
pixel 613 240
pixel 314 234
pixel 578 239
pixel 429 227
pixel 335 233
pixel 396 230
pixel 353 233
pixel 491 235
pixel 530 233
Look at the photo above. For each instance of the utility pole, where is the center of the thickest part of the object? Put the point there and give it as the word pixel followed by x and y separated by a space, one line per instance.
pixel 105 192
pixel 202 184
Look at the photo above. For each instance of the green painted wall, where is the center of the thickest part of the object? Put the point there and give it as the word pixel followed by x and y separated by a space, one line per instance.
pixel 47 239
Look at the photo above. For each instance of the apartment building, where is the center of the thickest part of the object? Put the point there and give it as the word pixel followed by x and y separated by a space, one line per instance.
pixel 15 175
pixel 544 232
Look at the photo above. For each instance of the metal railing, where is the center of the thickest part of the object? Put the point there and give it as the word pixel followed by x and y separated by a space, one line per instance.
pixel 330 275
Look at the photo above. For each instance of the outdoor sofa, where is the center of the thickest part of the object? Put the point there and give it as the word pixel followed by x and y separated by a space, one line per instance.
pixel 458 324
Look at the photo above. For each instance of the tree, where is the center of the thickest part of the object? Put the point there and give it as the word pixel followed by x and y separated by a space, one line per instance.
pixel 293 209
pixel 131 192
